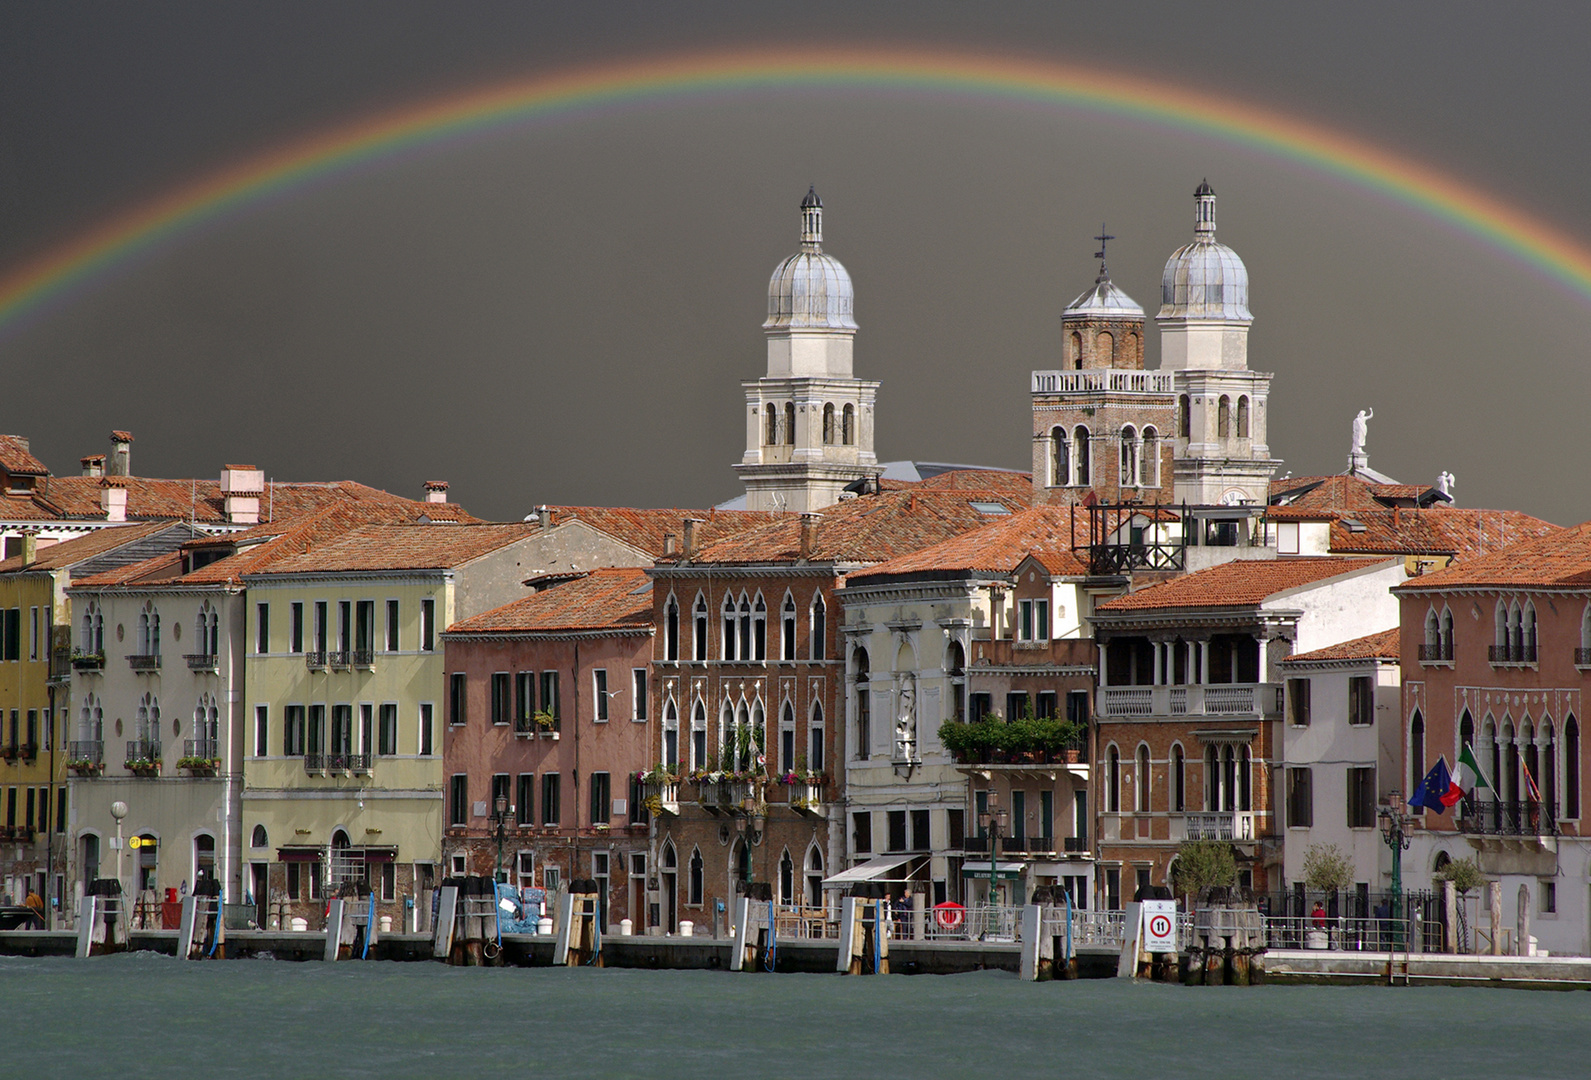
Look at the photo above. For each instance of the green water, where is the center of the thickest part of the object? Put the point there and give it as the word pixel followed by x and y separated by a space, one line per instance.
pixel 144 1015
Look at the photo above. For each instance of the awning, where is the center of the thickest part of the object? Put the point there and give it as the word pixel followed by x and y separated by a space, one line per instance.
pixel 1007 870
pixel 300 854
pixel 872 870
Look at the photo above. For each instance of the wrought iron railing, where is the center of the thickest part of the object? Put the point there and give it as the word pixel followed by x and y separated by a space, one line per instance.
pixel 89 750
pixel 314 762
pixel 1512 654
pixel 337 658
pixel 144 661
pixel 1491 817
pixel 348 761
pixel 141 750
pixel 364 658
pixel 208 749
pixel 1582 656
pixel 315 659
pixel 201 661
pixel 1436 652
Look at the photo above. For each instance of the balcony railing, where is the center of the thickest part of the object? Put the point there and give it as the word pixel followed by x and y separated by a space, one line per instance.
pixel 1217 825
pixel 345 762
pixel 364 658
pixel 1437 652
pixel 142 753
pixel 1489 817
pixel 1512 654
pixel 314 763
pixel 28 751
pixel 88 662
pixel 1074 844
pixel 337 658
pixel 1096 380
pixel 1582 657
pixel 1215 699
pixel 201 661
pixel 975 845
pixel 208 749
pixel 91 751
pixel 144 661
pixel 315 660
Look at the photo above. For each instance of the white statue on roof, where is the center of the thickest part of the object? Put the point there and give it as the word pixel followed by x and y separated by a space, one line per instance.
pixel 1444 483
pixel 1361 425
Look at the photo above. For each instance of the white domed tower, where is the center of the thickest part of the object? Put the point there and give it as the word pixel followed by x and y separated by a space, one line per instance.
pixel 1204 318
pixel 809 422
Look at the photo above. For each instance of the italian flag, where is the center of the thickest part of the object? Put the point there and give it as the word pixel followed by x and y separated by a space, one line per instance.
pixel 1467 776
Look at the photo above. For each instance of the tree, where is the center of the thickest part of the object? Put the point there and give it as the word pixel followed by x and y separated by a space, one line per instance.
pixel 1327 868
pixel 1204 864
pixel 1464 875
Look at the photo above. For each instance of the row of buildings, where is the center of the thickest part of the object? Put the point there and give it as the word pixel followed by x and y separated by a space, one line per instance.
pixel 959 682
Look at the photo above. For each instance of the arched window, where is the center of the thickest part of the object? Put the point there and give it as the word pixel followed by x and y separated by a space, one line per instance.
pixel 1245 789
pixel 787 889
pixel 1113 780
pixel 771 431
pixel 1080 451
pixel 1105 349
pixel 1447 633
pixel 149 630
pixel 1491 754
pixel 93 641
pixel 815 738
pixel 848 426
pixel 1076 350
pixel 1549 767
pixel 745 628
pixel 699 737
pixel 814 876
pixel 864 725
pixel 1184 417
pixel 1416 754
pixel 1585 637
pixel 203 858
pixel 787 628
pixel 1571 769
pixel 1508 780
pixel 1529 759
pixel 1212 778
pixel 759 629
pixel 1149 470
pixel 828 424
pixel 699 629
pixel 91 724
pixel 729 628
pixel 726 737
pixel 671 629
pixel 956 668
pixel 787 739
pixel 1060 460
pixel 1223 418
pixel 259 839
pixel 1135 354
pixel 1466 733
pixel 1242 416
pixel 1433 637
pixel 148 719
pixel 820 629
pixel 1129 456
pixel 1527 633
pixel 1179 780
pixel 789 423
pixel 670 734
pixel 1501 620
pixel 695 887
pixel 1141 779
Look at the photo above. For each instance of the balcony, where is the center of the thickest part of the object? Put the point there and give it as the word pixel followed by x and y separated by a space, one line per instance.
pixel 662 796
pixel 348 763
pixel 86 757
pixel 1074 845
pixel 1436 653
pixel 315 764
pixel 338 659
pixel 1211 699
pixel 22 834
pixel 1489 817
pixel 143 757
pixel 315 661
pixel 28 752
pixel 144 661
pixel 807 799
pixel 364 658
pixel 1102 380
pixel 1582 658
pixel 88 662
pixel 200 757
pixel 202 662
pixel 1229 825
pixel 725 797
pixel 1511 655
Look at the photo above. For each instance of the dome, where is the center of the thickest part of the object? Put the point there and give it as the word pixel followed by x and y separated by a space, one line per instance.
pixel 1204 279
pixel 1105 300
pixel 810 290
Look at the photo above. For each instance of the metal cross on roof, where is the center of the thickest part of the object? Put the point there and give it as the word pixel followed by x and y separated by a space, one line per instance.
pixel 1103 237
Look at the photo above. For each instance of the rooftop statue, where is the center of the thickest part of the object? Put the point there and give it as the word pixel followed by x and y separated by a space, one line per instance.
pixel 1361 424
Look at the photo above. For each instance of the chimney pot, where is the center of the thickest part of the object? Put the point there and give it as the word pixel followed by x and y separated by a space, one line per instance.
pixel 93 465
pixel 436 491
pixel 120 463
pixel 113 497
pixel 30 548
pixel 809 525
pixel 669 542
pixel 688 527
pixel 544 516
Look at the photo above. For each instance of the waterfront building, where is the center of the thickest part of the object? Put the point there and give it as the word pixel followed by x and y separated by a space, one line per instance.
pixel 36 663
pixel 988 625
pixel 548 735
pixel 1190 699
pixel 1494 654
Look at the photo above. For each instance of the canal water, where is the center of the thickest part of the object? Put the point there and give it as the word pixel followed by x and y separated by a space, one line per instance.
pixel 144 1015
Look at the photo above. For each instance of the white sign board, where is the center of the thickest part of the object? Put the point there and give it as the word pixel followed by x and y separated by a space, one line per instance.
pixel 1160 926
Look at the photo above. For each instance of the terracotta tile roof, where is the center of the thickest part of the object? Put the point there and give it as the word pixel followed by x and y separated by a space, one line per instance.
pixel 1443 530
pixel 644 529
pixel 601 600
pixel 401 547
pixel 1007 481
pixel 17 459
pixel 866 530
pixel 1241 583
pixel 81 548
pixel 1045 532
pixel 1381 646
pixel 1299 513
pixel 1561 559
pixel 162 567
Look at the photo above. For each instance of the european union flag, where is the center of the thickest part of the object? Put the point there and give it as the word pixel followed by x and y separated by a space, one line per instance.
pixel 1433 787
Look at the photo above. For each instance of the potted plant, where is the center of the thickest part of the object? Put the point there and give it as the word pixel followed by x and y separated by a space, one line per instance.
pixel 85 767
pixel 144 766
pixel 546 723
pixel 200 766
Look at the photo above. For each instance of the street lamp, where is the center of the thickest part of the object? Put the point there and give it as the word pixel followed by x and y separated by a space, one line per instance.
pixel 992 820
pixel 500 816
pixel 1394 830
pixel 118 810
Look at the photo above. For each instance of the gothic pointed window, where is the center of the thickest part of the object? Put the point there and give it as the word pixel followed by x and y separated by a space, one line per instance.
pixel 699 631
pixel 670 734
pixel 759 630
pixel 819 627
pixel 699 736
pixel 671 629
pixel 729 628
pixel 745 629
pixel 787 629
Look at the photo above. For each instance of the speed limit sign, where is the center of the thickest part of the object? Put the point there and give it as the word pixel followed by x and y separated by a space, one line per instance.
pixel 1160 925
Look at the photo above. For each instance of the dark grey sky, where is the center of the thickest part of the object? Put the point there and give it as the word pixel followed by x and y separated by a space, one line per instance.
pixel 564 313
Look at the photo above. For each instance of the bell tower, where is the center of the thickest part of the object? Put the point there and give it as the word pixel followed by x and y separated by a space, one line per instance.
pixel 809 420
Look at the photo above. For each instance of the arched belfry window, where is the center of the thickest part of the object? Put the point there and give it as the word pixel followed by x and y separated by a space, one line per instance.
pixel 771 433
pixel 1060 460
pixel 1105 348
pixel 1223 418
pixel 1242 417
pixel 789 423
pixel 1129 456
pixel 828 424
pixel 1149 467
pixel 1076 350
pixel 1080 449
pixel 1184 417
pixel 848 426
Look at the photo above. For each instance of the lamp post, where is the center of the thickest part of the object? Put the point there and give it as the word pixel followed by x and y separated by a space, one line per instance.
pixel 500 816
pixel 1394 830
pixel 992 820
pixel 118 810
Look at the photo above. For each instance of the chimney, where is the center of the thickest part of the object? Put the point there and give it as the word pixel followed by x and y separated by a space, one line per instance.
pixel 809 528
pixel 669 541
pixel 436 491
pixel 113 497
pixel 30 548
pixel 544 516
pixel 94 465
pixel 689 528
pixel 121 450
pixel 241 488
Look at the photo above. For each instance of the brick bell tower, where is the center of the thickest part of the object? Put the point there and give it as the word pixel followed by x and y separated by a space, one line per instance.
pixel 1101 423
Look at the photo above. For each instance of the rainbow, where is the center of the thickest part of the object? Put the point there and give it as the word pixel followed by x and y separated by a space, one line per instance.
pixel 58 274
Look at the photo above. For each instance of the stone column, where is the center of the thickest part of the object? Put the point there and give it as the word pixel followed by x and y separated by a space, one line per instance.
pixel 1450 923
pixel 1496 915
